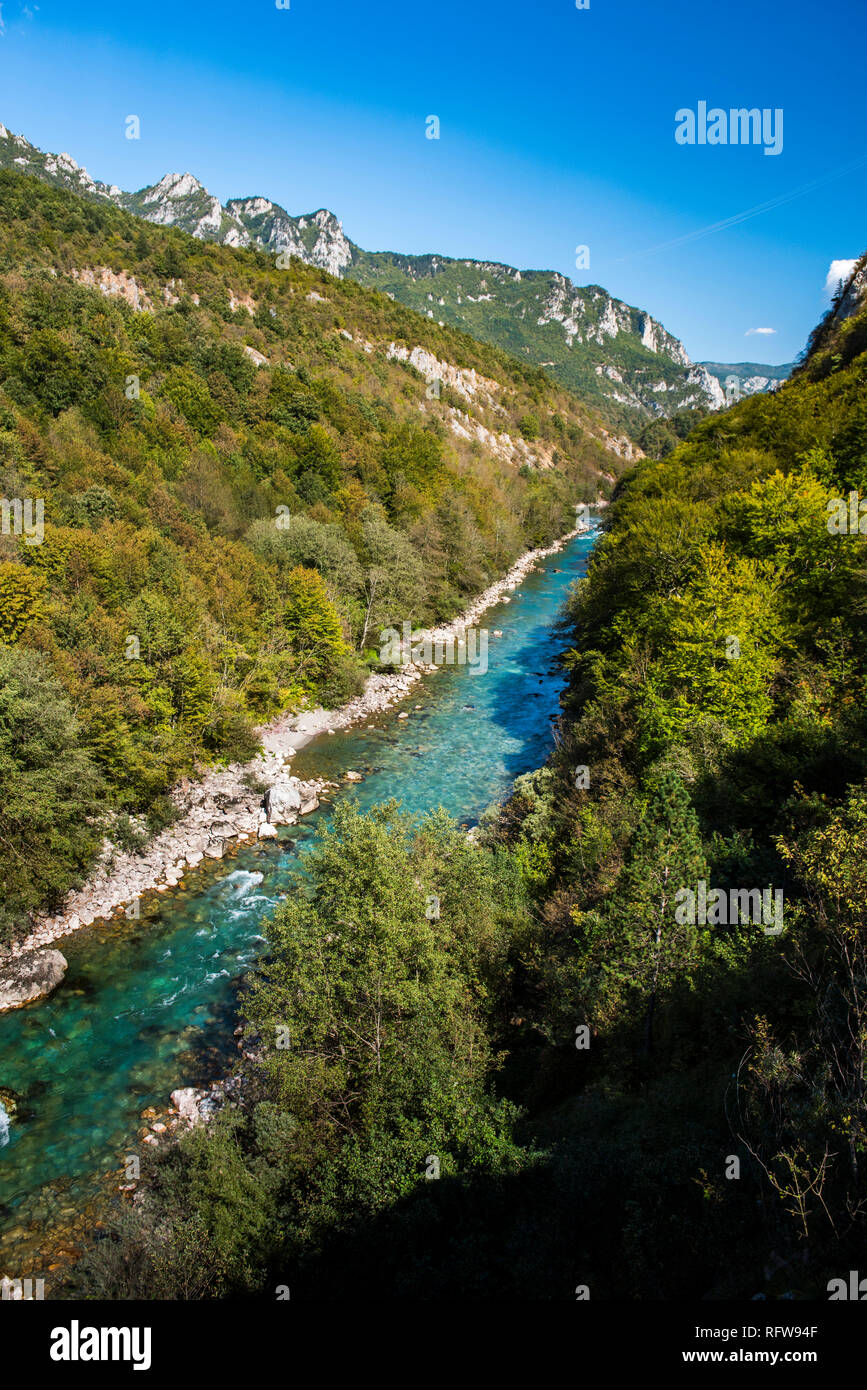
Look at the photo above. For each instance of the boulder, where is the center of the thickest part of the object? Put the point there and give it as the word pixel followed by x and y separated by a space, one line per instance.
pixel 267 831
pixel 311 804
pixel 282 803
pixel 32 975
pixel 222 830
pixel 186 1102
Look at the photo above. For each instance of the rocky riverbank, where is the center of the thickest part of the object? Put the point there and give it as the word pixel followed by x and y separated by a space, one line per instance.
pixel 245 802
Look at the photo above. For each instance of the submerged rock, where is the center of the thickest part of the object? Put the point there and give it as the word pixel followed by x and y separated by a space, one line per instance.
pixel 32 975
pixel 10 1100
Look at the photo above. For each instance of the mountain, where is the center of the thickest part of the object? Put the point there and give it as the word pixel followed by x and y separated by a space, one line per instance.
pixel 715 711
pixel 750 376
pixel 221 479
pixel 606 351
pixel 613 355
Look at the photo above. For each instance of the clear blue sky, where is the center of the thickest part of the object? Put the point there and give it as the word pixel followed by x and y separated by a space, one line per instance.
pixel 557 129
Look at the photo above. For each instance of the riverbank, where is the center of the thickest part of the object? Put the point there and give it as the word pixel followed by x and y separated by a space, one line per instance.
pixel 244 801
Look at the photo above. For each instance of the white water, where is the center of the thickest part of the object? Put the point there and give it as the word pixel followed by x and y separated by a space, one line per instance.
pixel 4 1125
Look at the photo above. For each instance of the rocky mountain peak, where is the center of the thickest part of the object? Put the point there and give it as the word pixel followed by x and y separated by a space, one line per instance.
pixel 174 186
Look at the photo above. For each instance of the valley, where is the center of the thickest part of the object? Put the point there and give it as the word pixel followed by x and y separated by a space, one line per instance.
pixel 433 706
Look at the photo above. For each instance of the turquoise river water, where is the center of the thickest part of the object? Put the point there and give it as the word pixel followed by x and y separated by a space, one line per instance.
pixel 147 1005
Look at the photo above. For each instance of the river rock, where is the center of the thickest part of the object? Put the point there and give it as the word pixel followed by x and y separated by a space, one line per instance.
pixel 267 831
pixel 186 1102
pixel 311 804
pixel 353 776
pixel 10 1100
pixel 283 802
pixel 32 975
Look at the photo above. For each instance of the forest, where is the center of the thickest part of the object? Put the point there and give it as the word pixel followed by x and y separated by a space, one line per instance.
pixel 620 1104
pixel 242 480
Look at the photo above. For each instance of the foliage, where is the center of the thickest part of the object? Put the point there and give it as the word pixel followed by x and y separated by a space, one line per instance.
pixel 238 496
pixel 584 1063
pixel 48 834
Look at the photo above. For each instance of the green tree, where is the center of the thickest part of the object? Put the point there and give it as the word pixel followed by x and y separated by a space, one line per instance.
pixel 48 831
pixel 394 582
pixel 718 646
pixel 21 600
pixel 653 949
pixel 376 1020
pixel 312 622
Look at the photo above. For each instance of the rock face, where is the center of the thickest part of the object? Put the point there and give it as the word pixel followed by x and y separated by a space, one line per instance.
pixel 30 976
pixel 750 378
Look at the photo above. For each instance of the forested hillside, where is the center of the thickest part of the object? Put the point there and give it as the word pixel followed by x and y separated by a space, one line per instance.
pixel 620 1102
pixel 615 356
pixel 222 478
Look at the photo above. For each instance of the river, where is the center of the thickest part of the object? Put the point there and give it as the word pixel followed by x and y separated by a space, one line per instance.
pixel 148 1005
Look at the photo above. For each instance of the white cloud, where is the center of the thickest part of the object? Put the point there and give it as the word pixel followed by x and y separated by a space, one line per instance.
pixel 750 331
pixel 837 271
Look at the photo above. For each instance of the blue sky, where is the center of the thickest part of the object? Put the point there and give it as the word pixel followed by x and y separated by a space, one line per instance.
pixel 556 130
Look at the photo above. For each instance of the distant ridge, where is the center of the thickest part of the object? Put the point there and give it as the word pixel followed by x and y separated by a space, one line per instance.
pixel 615 356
